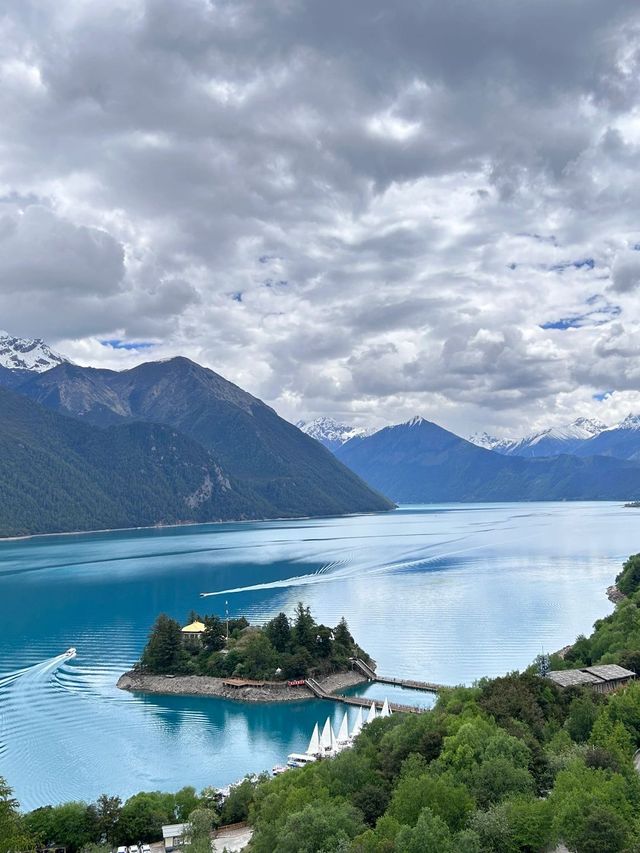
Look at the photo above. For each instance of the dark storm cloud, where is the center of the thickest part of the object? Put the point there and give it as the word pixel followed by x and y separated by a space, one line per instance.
pixel 367 205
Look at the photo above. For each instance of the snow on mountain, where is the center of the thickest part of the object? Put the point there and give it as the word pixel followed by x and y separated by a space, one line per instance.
pixel 548 442
pixel 582 428
pixel 630 422
pixel 330 432
pixel 490 442
pixel 556 440
pixel 27 354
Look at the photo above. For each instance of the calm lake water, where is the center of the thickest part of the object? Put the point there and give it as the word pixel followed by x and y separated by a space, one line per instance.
pixel 444 593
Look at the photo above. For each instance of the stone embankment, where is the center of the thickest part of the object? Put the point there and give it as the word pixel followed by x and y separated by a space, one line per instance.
pixel 203 685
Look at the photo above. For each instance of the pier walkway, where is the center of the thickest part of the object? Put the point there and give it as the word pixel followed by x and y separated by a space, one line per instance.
pixel 359 701
pixel 372 675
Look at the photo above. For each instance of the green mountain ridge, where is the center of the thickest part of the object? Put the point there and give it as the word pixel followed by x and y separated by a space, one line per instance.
pixel 164 443
pixel 59 475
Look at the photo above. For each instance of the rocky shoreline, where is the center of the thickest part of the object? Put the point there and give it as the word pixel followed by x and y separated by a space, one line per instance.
pixel 203 685
pixel 614 595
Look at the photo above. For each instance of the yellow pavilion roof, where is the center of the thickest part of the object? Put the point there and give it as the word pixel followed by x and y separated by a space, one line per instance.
pixel 193 628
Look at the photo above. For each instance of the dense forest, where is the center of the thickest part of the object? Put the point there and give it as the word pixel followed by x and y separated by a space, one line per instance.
pixel 280 650
pixel 510 764
pixel 58 474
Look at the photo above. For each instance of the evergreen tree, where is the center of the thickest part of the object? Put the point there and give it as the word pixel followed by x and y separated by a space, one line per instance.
pixel 324 641
pixel 304 628
pixel 342 634
pixel 214 634
pixel 163 652
pixel 278 631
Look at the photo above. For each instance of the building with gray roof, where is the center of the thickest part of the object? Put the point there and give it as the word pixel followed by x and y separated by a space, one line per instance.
pixel 602 678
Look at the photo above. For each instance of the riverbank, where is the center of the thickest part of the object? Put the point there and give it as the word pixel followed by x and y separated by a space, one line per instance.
pixel 204 685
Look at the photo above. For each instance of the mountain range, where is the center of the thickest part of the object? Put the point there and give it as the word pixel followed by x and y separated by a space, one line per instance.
pixel 182 441
pixel 420 462
pixel 174 442
pixel 583 437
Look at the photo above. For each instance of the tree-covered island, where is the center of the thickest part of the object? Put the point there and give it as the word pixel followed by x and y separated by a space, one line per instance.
pixel 280 650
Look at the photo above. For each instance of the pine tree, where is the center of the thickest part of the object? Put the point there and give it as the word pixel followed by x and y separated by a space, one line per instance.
pixel 214 634
pixel 278 631
pixel 342 634
pixel 304 628
pixel 163 651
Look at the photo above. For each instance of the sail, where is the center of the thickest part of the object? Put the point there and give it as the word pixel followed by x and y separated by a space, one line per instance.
pixel 314 743
pixel 372 713
pixel 343 733
pixel 357 728
pixel 386 710
pixel 326 743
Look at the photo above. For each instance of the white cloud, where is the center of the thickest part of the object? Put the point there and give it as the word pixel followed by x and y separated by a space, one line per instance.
pixel 364 208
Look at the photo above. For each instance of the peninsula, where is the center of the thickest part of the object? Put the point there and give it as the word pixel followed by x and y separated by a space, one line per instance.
pixel 253 663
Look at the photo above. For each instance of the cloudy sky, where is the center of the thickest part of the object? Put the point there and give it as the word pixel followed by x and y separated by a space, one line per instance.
pixel 363 209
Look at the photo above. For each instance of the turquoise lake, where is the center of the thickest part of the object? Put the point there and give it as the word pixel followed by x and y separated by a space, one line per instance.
pixel 443 593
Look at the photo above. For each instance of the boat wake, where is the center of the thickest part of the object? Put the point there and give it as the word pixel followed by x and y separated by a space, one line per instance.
pixel 410 563
pixel 22 705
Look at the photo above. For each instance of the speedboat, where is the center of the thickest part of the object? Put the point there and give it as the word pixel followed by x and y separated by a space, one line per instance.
pixel 278 769
pixel 70 653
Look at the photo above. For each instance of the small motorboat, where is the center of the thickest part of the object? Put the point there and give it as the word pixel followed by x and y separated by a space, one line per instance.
pixel 278 769
pixel 70 653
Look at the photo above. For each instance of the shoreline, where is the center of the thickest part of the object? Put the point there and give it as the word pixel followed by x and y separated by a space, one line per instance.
pixel 205 685
pixel 176 524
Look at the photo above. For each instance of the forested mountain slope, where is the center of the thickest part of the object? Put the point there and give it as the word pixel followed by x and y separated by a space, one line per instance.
pixel 58 474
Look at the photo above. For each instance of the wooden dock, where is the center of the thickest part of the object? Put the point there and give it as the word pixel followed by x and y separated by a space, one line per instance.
pixel 372 675
pixel 359 701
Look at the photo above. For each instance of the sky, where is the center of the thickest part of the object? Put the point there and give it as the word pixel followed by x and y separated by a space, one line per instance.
pixel 360 209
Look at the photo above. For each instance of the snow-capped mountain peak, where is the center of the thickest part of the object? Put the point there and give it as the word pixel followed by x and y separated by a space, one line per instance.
pixel 630 422
pixel 27 354
pixel 330 432
pixel 546 442
pixel 582 428
pixel 416 420
pixel 490 442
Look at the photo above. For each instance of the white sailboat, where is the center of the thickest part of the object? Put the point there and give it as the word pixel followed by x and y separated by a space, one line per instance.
pixel 343 732
pixel 357 728
pixel 372 713
pixel 386 710
pixel 327 739
pixel 314 743
pixel 342 741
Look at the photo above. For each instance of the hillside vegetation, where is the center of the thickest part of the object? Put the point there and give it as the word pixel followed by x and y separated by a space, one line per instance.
pixel 289 473
pixel 57 474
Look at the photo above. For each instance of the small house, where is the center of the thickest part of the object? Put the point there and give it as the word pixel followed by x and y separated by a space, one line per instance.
pixel 193 633
pixel 602 678
pixel 174 836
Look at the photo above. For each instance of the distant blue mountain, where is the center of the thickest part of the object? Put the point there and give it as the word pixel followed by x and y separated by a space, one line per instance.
pixel 419 461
